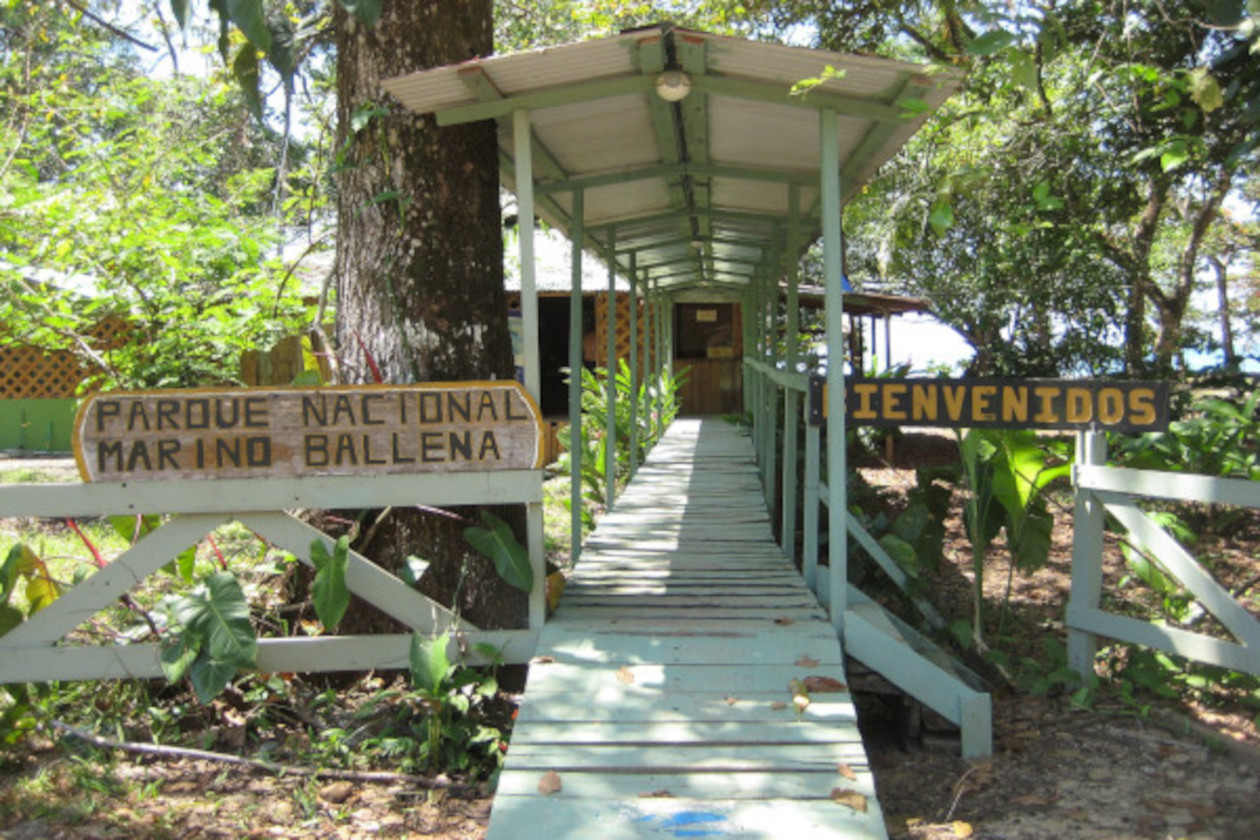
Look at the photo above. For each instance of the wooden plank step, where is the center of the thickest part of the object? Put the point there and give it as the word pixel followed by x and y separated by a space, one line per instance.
pixel 660 707
pixel 725 677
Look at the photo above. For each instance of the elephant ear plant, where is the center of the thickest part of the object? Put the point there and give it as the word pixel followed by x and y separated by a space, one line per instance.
pixel 1007 472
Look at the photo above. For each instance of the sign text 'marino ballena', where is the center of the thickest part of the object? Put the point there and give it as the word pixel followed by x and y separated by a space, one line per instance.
pixel 348 430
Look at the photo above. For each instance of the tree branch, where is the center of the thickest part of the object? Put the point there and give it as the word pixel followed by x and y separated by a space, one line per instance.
pixel 126 36
pixel 436 783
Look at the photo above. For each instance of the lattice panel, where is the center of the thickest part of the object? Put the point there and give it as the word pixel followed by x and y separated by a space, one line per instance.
pixel 647 329
pixel 30 373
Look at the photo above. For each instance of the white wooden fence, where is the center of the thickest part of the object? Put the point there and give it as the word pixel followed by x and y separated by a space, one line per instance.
pixel 1103 491
pixel 39 650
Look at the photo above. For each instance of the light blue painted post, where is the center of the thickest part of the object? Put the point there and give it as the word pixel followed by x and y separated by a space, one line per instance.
pixel 522 140
pixel 634 365
pixel 772 387
pixel 662 359
pixel 746 308
pixel 837 468
pixel 1087 545
pixel 791 399
pixel 576 233
pixel 809 524
pixel 610 440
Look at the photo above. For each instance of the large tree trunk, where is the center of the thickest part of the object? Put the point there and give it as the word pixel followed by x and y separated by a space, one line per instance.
pixel 420 264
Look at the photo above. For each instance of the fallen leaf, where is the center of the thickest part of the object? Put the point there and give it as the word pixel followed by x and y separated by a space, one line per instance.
pixel 846 771
pixel 806 662
pixel 657 794
pixel 784 621
pixel 801 702
pixel 1032 801
pixel 336 793
pixel 731 701
pixel 851 798
pixel 550 783
pixel 624 675
pixel 963 830
pixel 824 685
pixel 778 705
pixel 542 660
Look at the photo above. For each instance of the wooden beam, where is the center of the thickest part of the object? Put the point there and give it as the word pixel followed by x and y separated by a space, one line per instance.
pixel 550 98
pixel 817 100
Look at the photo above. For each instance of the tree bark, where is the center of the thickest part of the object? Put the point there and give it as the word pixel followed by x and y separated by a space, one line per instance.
pixel 420 266
pixel 1222 300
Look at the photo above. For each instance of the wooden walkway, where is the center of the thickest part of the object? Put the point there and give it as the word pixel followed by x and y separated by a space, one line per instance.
pixel 660 702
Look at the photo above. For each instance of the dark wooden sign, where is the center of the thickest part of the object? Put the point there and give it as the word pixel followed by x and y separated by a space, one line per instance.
pixel 998 403
pixel 282 433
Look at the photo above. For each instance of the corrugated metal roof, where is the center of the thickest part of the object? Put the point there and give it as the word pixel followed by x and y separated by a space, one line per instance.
pixel 699 189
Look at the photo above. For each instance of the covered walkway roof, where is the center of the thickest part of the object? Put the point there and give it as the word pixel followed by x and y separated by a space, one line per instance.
pixel 698 192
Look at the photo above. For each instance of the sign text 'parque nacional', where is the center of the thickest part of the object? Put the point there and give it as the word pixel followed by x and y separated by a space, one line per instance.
pixel 284 433
pixel 999 403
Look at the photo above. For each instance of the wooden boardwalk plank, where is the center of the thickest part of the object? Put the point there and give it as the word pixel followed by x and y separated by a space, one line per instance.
pixel 662 693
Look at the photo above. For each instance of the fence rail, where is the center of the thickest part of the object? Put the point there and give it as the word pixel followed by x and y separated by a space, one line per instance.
pixel 1102 492
pixel 40 650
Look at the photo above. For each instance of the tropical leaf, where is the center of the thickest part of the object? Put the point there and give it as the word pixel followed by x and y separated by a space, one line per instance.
pixel 210 676
pixel 430 666
pixel 511 560
pixel 218 614
pixel 329 590
pixel 250 18
pixel 41 589
pixel 245 69
pixel 178 652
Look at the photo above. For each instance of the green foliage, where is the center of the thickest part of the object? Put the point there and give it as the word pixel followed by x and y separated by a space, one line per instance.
pixel 655 392
pixel 1220 438
pixel 449 693
pixel 1007 472
pixel 138 198
pixel 212 636
pixel 328 590
pixel 22 563
pixel 511 559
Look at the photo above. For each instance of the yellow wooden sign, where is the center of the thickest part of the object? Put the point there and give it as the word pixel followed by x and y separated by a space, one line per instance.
pixel 283 433
pixel 999 403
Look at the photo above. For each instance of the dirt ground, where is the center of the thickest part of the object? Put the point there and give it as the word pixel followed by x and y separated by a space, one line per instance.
pixel 1110 772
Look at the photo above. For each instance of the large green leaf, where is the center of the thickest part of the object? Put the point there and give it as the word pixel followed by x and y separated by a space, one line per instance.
pixel 245 69
pixel 430 666
pixel 329 588
pixel 182 10
pixel 218 615
pixel 511 560
pixel 210 676
pixel 9 572
pixel 249 16
pixel 10 617
pixel 41 589
pixel 178 652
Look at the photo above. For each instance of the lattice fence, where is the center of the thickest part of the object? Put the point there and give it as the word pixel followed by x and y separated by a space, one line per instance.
pixel 647 329
pixel 28 372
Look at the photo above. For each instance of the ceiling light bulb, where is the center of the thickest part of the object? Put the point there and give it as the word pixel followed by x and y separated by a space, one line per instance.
pixel 673 86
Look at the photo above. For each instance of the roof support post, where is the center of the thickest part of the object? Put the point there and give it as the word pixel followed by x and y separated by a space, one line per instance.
pixel 634 365
pixel 662 361
pixel 791 398
pixel 576 234
pixel 524 148
pixel 523 141
pixel 610 368
pixel 837 468
pixel 769 405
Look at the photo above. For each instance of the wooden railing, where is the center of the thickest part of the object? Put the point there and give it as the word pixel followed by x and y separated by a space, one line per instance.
pixel 1103 491
pixel 40 649
pixel 779 403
